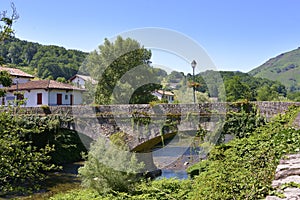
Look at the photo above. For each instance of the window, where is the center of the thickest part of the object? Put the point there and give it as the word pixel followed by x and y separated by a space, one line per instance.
pixel 66 97
pixel 39 98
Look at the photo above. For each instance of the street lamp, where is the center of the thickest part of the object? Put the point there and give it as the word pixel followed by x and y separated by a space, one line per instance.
pixel 193 64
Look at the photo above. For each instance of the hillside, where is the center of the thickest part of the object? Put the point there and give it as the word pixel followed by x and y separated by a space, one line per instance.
pixel 43 61
pixel 238 85
pixel 284 68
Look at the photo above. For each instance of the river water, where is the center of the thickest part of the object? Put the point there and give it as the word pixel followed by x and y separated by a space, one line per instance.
pixel 172 173
pixel 173 161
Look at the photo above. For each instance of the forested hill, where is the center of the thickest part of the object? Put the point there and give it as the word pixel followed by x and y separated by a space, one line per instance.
pixel 284 68
pixel 43 61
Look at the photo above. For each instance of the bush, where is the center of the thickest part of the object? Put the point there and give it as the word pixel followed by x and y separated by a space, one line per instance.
pixel 22 164
pixel 243 123
pixel 244 168
pixel 109 168
pixel 163 189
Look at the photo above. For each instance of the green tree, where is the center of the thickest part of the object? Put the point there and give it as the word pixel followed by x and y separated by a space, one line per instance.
pixel 6 23
pixel 5 81
pixel 61 79
pixel 5 32
pixel 110 168
pixel 267 93
pixel 236 89
pixel 202 97
pixel 14 53
pixel 22 165
pixel 115 60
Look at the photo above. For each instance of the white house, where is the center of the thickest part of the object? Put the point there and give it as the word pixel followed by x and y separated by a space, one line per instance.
pixel 160 94
pixel 44 92
pixel 17 75
pixel 80 80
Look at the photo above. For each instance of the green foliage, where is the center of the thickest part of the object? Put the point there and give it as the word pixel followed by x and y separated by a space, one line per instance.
pixel 294 96
pixel 22 163
pixel 42 61
pixel 164 189
pixel 283 68
pixel 82 194
pixel 157 102
pixel 66 143
pixel 6 23
pixel 122 71
pixel 202 97
pixel 32 145
pixel 266 93
pixel 110 168
pixel 236 90
pixel 244 168
pixel 5 80
pixel 243 123
pixel 118 139
pixel 227 86
pixel 61 79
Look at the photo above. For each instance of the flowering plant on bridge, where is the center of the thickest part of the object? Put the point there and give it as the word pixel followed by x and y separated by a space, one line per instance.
pixel 193 84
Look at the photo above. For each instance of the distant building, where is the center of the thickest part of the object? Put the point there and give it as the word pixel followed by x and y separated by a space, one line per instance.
pixel 44 92
pixel 161 94
pixel 80 80
pixel 17 75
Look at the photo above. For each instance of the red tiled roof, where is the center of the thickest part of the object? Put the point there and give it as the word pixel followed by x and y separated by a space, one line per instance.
pixel 16 72
pixel 43 84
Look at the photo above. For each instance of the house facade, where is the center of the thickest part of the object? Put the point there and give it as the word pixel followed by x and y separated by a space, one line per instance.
pixel 80 80
pixel 17 75
pixel 160 94
pixel 44 92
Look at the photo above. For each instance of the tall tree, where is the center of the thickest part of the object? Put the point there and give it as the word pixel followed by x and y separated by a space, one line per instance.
pixel 113 62
pixel 5 32
pixel 6 23
pixel 236 89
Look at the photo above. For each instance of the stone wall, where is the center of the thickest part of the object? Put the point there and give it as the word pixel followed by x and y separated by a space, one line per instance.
pixel 268 109
pixel 143 122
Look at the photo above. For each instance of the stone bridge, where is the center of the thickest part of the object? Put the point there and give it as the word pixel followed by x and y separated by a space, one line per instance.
pixel 143 127
pixel 142 122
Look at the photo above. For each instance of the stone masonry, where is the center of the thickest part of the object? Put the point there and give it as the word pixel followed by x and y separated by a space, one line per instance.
pixel 288 171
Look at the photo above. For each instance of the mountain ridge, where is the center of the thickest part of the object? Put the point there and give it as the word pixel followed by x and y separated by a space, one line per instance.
pixel 284 68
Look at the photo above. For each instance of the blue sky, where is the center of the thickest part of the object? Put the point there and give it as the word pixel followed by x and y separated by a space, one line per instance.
pixel 236 34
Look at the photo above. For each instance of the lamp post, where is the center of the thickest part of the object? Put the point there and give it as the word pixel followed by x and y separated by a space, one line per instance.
pixel 193 64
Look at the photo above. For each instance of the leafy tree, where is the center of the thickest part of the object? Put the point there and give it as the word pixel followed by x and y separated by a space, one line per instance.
pixel 266 93
pixel 6 23
pixel 5 32
pixel 236 89
pixel 202 97
pixel 294 96
pixel 43 61
pixel 61 79
pixel 124 57
pixel 5 81
pixel 22 165
pixel 110 168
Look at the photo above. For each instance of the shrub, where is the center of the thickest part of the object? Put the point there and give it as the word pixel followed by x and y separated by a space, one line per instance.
pixel 22 164
pixel 109 168
pixel 244 168
pixel 163 189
